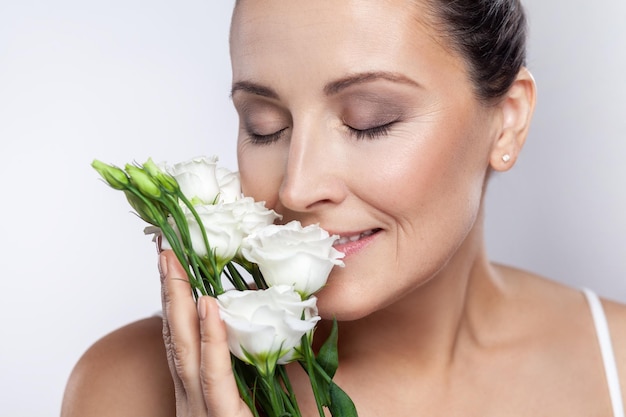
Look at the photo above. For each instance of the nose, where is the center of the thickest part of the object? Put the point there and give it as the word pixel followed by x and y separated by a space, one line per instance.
pixel 313 173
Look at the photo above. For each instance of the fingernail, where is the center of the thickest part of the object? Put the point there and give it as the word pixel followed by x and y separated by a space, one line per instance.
pixel 202 308
pixel 157 240
pixel 162 266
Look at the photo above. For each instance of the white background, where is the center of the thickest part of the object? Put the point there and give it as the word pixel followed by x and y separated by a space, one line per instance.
pixel 122 80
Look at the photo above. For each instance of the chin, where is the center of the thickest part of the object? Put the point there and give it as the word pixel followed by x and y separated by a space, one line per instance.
pixel 346 305
pixel 347 298
pixel 343 314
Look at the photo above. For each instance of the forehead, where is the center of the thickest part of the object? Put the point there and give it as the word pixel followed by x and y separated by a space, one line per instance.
pixel 309 37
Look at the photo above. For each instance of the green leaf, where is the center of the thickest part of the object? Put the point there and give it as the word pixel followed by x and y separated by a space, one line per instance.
pixel 328 357
pixel 340 403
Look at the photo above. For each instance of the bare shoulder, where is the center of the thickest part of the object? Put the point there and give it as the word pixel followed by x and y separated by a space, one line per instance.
pixel 557 321
pixel 565 311
pixel 123 374
pixel 544 297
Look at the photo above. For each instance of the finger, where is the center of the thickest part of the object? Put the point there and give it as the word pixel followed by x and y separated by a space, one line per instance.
pixel 167 339
pixel 181 324
pixel 218 382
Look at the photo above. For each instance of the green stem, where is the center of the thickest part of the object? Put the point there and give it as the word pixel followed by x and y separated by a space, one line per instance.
pixel 211 276
pixel 197 217
pixel 292 401
pixel 193 259
pixel 277 406
pixel 180 253
pixel 309 363
pixel 235 278
pixel 243 387
pixel 258 277
pixel 170 235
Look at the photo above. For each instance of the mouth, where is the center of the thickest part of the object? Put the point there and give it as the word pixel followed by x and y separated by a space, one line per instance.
pixel 350 243
pixel 353 238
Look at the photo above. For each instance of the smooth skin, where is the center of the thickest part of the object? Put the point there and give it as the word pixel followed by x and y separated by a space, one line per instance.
pixel 369 127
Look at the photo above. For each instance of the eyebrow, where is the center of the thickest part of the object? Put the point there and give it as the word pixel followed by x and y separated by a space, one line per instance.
pixel 253 88
pixel 332 88
pixel 335 87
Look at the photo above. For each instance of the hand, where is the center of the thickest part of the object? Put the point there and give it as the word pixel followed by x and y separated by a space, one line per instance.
pixel 197 350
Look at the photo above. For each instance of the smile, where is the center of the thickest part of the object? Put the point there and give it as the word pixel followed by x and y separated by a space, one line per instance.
pixel 347 239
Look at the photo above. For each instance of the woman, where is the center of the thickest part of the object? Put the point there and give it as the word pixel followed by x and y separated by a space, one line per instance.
pixel 382 121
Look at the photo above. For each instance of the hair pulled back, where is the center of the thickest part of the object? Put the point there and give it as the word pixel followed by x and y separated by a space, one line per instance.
pixel 490 35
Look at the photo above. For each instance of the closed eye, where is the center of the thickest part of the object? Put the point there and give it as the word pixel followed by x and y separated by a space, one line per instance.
pixel 268 139
pixel 375 132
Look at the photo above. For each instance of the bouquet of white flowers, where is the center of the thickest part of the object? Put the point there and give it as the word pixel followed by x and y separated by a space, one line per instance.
pixel 270 315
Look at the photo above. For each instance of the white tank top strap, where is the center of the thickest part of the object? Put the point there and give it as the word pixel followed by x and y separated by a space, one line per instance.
pixel 608 357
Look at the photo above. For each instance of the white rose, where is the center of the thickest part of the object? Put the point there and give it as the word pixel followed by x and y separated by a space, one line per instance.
pixel 229 185
pixel 265 327
pixel 252 215
pixel 197 179
pixel 222 230
pixel 293 255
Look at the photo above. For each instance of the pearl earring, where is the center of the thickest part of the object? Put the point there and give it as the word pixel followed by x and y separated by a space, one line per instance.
pixel 506 157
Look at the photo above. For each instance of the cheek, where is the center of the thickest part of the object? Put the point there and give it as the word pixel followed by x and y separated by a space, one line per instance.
pixel 431 183
pixel 261 173
pixel 444 163
pixel 417 172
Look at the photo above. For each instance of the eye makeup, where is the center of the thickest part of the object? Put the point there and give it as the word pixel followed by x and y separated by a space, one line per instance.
pixel 369 115
pixel 262 120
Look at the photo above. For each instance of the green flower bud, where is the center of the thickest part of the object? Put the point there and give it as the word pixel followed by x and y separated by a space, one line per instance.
pixel 148 212
pixel 114 176
pixel 144 183
pixel 166 181
pixel 151 168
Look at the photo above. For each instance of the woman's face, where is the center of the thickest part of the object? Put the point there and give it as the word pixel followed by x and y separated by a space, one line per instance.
pixel 355 116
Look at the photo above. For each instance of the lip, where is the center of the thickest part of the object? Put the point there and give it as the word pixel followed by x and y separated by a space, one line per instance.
pixel 352 242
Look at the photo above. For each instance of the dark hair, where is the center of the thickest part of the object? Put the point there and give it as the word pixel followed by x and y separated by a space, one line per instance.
pixel 490 35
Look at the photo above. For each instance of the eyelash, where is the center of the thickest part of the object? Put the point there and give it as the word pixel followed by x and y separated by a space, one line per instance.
pixel 266 139
pixel 371 133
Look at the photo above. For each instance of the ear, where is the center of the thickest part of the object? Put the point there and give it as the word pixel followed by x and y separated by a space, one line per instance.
pixel 516 110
